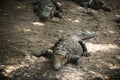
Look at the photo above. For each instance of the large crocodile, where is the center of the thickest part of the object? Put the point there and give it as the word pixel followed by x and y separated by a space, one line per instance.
pixel 95 4
pixel 46 9
pixel 68 49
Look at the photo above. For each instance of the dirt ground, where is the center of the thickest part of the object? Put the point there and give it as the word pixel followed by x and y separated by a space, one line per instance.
pixel 22 34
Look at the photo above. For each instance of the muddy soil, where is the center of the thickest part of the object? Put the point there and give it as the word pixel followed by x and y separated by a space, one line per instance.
pixel 22 34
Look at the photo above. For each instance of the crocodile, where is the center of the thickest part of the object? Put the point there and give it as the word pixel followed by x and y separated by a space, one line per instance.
pixel 47 9
pixel 68 49
pixel 94 4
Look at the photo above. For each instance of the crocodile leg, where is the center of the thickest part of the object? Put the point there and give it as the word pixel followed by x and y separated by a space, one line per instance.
pixel 58 14
pixel 53 47
pixel 57 5
pixel 46 53
pixel 85 52
pixel 76 60
pixel 79 63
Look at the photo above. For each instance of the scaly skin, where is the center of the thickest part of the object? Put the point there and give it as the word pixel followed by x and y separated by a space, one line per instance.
pixel 68 49
pixel 46 9
pixel 95 4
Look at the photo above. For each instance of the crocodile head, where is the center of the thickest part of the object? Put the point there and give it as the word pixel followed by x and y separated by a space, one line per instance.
pixel 45 12
pixel 60 58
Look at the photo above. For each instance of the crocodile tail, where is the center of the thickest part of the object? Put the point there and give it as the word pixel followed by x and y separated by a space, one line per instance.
pixel 87 35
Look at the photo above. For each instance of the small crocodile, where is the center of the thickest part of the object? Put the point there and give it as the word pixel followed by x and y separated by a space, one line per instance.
pixel 68 50
pixel 47 9
pixel 95 4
